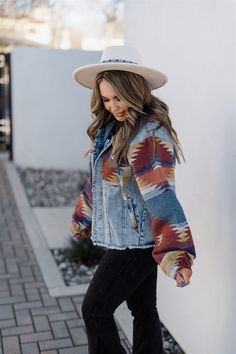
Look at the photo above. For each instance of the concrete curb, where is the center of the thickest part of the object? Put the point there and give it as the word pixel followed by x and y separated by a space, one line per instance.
pixel 50 272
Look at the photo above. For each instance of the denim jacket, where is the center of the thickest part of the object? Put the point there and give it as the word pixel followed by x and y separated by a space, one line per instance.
pixel 134 205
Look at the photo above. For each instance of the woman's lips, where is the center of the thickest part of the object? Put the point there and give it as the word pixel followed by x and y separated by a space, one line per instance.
pixel 119 114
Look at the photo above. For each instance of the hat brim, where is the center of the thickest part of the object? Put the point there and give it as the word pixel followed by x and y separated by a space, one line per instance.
pixel 86 75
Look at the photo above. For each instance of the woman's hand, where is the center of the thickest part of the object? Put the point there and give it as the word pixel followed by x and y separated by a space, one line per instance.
pixel 183 276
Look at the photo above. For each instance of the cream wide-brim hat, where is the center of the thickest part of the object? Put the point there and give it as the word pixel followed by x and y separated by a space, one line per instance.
pixel 119 58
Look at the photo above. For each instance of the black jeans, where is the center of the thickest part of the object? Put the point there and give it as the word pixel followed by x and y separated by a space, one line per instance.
pixel 130 275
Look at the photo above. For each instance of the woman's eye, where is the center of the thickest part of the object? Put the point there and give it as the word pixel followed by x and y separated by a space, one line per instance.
pixel 107 100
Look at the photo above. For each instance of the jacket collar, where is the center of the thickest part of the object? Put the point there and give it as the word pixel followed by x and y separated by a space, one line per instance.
pixel 101 138
pixel 104 133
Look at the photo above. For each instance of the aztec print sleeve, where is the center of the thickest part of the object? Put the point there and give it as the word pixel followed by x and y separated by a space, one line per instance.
pixel 82 216
pixel 151 156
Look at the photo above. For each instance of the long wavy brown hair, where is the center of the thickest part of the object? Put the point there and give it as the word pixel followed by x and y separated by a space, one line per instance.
pixel 132 89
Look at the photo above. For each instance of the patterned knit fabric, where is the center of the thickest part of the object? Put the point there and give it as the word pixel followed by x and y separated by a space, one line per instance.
pixel 152 160
pixel 82 217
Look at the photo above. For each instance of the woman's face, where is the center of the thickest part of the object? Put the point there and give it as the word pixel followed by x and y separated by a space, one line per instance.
pixel 111 101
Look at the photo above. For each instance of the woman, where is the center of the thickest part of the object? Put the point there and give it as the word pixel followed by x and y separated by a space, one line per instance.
pixel 129 203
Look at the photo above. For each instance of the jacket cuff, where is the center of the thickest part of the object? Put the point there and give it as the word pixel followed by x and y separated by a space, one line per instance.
pixel 80 231
pixel 174 261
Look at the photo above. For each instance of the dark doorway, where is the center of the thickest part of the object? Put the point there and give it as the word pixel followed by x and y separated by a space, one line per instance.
pixel 5 105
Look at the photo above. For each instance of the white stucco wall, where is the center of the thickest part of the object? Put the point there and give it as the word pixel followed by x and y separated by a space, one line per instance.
pixel 50 111
pixel 194 43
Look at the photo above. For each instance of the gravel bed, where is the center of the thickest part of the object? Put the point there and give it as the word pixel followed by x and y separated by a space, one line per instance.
pixel 52 188
pixel 57 188
pixel 73 273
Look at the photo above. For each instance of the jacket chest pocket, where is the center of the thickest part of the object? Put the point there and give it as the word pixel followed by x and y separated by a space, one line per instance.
pixel 110 172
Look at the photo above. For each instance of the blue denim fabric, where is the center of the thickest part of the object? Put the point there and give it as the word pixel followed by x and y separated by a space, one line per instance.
pixel 112 224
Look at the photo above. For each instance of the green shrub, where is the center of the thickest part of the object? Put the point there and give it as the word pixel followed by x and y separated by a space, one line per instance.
pixel 82 250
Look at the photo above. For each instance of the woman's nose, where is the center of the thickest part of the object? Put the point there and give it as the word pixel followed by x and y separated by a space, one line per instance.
pixel 113 105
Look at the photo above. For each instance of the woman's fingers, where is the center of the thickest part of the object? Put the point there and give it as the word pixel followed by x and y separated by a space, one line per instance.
pixel 183 277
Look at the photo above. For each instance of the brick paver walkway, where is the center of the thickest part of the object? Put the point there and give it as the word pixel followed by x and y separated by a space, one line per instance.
pixel 31 321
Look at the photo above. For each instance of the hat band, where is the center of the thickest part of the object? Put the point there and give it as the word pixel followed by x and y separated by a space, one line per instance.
pixel 118 61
